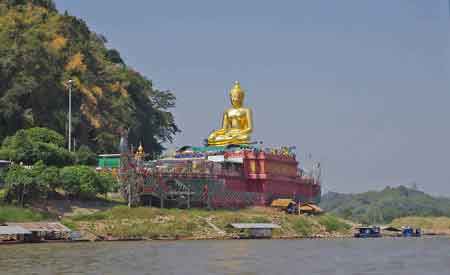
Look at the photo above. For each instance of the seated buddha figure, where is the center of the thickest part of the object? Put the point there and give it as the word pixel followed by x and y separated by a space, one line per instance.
pixel 237 123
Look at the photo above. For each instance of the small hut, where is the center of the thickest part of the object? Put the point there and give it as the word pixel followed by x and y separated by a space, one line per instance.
pixel 45 230
pixel 256 230
pixel 310 209
pixel 282 204
pixel 13 233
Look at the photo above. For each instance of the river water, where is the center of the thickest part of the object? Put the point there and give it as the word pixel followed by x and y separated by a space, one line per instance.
pixel 274 257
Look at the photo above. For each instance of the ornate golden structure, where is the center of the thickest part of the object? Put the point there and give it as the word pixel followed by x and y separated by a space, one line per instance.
pixel 140 154
pixel 237 123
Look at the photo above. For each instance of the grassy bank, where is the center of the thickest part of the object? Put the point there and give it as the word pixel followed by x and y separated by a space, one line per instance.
pixel 16 214
pixel 433 225
pixel 2 194
pixel 153 223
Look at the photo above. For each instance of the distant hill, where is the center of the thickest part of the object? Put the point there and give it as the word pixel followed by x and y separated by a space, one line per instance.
pixel 42 49
pixel 378 207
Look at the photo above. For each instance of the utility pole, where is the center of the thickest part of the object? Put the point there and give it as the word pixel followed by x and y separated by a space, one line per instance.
pixel 69 83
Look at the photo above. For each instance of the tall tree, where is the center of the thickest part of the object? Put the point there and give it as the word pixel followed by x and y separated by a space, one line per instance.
pixel 40 50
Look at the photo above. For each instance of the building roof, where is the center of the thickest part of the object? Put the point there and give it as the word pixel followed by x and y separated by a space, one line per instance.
pixel 109 155
pixel 282 202
pixel 368 227
pixel 4 163
pixel 310 207
pixel 255 225
pixel 13 230
pixel 391 228
pixel 42 226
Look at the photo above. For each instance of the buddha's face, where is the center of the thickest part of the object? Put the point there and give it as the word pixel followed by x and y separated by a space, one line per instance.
pixel 237 99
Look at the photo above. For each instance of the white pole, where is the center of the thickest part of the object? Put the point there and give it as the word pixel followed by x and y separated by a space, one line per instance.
pixel 70 114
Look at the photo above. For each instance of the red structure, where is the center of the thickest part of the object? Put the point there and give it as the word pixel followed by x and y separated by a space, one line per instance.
pixel 275 175
pixel 229 178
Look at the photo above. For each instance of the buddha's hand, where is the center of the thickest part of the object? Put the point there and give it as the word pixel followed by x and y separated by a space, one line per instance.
pixel 234 132
pixel 232 135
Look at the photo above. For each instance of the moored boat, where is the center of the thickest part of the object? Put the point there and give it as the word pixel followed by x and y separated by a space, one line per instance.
pixel 368 232
pixel 411 232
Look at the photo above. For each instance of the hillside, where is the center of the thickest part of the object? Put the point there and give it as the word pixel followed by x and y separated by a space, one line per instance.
pixel 41 49
pixel 386 205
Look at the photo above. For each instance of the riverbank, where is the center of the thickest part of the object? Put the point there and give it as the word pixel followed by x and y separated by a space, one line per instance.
pixel 103 220
pixel 430 225
pixel 122 223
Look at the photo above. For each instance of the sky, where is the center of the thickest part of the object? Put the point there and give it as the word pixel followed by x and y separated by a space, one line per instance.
pixel 361 86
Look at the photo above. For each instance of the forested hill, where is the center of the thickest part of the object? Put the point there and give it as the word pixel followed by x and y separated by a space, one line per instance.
pixel 41 49
pixel 383 206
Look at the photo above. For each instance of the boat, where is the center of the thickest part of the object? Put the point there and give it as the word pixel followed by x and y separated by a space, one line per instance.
pixel 405 231
pixel 368 232
pixel 411 232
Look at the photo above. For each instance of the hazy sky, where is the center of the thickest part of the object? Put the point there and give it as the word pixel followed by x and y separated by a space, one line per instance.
pixel 361 85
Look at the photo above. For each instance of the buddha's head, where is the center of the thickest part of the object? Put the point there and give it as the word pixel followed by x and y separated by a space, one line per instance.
pixel 237 95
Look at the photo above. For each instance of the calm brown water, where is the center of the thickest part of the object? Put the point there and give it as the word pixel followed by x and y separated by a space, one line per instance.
pixel 274 257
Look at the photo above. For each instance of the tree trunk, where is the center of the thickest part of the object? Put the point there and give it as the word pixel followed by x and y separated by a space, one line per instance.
pixel 22 196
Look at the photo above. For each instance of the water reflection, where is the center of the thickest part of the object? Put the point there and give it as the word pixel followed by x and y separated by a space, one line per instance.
pixel 232 257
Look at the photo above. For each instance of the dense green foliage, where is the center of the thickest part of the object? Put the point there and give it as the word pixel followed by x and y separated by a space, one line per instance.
pixel 24 184
pixel 384 206
pixel 84 156
pixel 79 181
pixel 36 144
pixel 40 50
pixel 83 182
pixel 48 4
pixel 106 183
pixel 41 144
pixel 2 177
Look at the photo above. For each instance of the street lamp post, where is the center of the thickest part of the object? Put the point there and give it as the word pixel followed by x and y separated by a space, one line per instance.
pixel 70 113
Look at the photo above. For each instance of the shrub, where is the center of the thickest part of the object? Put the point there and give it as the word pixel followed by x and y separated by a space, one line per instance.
pixel 18 181
pixel 84 156
pixel 333 224
pixel 106 183
pixel 79 181
pixel 50 178
pixel 51 154
pixel 83 182
pixel 32 145
pixel 70 179
pixel 6 154
pixel 302 226
pixel 2 177
pixel 27 183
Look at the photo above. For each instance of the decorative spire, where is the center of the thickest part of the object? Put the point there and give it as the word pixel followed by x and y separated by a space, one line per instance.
pixel 140 152
pixel 237 88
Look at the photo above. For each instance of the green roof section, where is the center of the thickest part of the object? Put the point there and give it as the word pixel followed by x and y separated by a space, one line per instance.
pixel 109 161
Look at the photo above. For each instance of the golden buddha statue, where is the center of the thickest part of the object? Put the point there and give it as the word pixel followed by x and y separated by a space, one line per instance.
pixel 237 123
